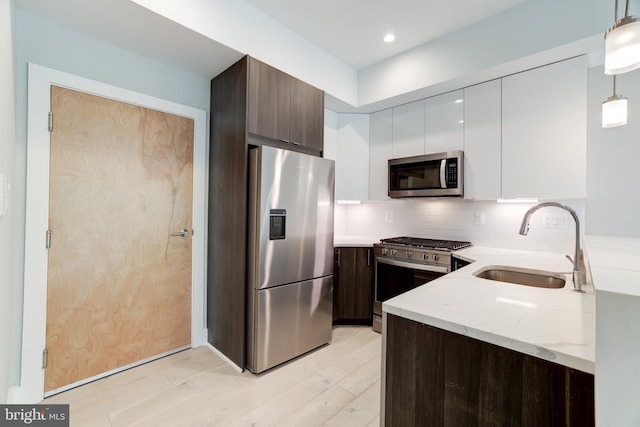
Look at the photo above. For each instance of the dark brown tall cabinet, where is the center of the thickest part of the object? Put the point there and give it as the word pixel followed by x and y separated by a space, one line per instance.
pixel 352 286
pixel 251 104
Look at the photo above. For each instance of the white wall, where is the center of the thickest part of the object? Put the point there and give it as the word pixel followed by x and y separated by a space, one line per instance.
pixel 529 29
pixel 519 32
pixel 7 155
pixel 57 47
pixel 245 28
pixel 613 167
pixel 455 219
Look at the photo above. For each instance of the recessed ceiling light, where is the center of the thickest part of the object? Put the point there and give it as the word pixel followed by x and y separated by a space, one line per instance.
pixel 389 38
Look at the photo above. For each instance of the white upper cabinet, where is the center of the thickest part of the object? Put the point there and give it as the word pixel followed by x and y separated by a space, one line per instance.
pixel 330 147
pixel 544 131
pixel 444 122
pixel 408 129
pixel 380 151
pixel 524 136
pixel 483 141
pixel 352 163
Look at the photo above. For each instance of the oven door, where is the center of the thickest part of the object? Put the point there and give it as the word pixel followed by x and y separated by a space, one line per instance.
pixel 394 277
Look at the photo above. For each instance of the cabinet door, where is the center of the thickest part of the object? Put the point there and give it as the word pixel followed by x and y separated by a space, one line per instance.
pixel 444 122
pixel 330 137
pixel 380 151
pixel 461 381
pixel 483 141
pixel 408 129
pixel 307 115
pixel 344 268
pixel 363 292
pixel 269 107
pixel 544 131
pixel 352 164
pixel 353 286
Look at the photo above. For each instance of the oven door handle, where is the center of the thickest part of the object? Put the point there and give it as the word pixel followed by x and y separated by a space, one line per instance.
pixel 414 265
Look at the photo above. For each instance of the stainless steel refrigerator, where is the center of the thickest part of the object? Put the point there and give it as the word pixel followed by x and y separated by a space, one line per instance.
pixel 290 255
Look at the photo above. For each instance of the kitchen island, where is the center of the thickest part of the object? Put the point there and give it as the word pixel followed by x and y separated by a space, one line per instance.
pixel 462 350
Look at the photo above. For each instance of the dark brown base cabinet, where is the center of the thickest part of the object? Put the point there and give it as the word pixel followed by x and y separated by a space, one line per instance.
pixel 353 286
pixel 438 378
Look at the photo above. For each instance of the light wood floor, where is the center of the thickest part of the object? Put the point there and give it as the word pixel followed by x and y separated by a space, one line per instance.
pixel 336 385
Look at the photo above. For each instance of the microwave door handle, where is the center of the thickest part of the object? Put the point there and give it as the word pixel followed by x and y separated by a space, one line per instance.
pixel 443 175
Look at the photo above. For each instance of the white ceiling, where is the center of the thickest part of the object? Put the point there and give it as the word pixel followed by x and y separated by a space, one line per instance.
pixel 352 30
pixel 126 24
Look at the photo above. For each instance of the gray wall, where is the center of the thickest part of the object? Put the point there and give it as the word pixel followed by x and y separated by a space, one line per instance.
pixel 7 153
pixel 50 45
pixel 613 167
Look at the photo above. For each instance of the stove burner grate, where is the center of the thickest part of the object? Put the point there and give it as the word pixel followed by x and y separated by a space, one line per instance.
pixel 449 245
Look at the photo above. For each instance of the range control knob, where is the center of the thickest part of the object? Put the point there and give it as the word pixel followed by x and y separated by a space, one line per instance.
pixel 425 257
pixel 385 251
pixel 393 252
pixel 409 254
pixel 436 257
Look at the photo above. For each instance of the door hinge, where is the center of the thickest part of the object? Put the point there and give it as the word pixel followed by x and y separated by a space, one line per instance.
pixel 45 358
pixel 47 242
pixel 50 124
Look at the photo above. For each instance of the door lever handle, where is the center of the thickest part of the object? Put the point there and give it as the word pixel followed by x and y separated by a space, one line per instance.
pixel 181 233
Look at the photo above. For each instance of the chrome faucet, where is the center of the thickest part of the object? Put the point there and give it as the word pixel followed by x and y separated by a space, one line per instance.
pixel 579 268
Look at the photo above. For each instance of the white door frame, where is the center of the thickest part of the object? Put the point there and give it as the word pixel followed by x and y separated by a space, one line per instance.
pixel 31 388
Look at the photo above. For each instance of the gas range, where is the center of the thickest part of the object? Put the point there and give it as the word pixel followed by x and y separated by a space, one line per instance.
pixel 403 263
pixel 428 253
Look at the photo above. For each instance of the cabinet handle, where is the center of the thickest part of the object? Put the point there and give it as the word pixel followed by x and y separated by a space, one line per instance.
pixel 286 141
pixel 368 257
pixel 338 258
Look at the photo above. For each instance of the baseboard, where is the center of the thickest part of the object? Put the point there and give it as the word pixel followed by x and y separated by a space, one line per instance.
pixel 225 358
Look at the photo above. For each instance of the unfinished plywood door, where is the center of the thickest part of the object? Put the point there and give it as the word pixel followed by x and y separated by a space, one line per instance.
pixel 119 279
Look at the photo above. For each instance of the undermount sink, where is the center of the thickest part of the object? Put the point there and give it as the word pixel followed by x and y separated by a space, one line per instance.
pixel 522 276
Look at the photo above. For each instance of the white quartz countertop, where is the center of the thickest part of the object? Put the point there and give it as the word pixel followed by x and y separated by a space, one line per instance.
pixel 354 241
pixel 615 264
pixel 553 324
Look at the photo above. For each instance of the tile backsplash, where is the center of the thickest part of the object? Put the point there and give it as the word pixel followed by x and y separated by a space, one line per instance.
pixel 484 223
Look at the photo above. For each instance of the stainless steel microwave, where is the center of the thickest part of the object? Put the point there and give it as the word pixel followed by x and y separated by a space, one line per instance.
pixel 429 175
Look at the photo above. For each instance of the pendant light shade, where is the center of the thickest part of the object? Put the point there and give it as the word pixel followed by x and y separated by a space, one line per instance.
pixel 614 112
pixel 622 43
pixel 622 46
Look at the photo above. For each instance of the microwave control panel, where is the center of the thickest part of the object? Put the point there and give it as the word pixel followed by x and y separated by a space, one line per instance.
pixel 452 173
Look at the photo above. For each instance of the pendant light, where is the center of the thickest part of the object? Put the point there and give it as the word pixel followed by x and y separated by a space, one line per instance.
pixel 614 110
pixel 622 43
